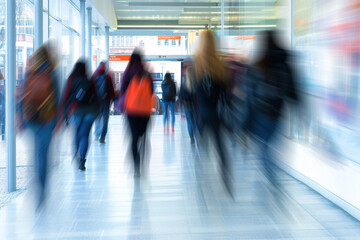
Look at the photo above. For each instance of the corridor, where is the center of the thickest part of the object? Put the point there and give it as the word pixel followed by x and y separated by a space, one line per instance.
pixel 179 196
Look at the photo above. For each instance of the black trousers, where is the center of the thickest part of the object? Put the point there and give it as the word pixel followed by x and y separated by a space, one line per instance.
pixel 138 127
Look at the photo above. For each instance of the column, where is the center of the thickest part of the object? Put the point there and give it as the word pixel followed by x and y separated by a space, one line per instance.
pixel 292 25
pixel 10 94
pixel 89 33
pixel 222 18
pixel 107 28
pixel 82 31
pixel 38 24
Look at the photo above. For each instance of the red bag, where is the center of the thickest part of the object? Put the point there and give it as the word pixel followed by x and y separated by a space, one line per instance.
pixel 138 99
pixel 39 103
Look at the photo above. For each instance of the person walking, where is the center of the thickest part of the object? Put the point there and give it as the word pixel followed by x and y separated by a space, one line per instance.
pixel 135 96
pixel 270 83
pixel 38 109
pixel 211 82
pixel 187 99
pixel 80 104
pixel 106 95
pixel 168 101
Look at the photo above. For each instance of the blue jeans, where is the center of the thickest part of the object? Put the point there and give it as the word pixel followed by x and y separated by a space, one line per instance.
pixel 42 138
pixel 83 125
pixel 102 121
pixel 191 123
pixel 264 129
pixel 171 105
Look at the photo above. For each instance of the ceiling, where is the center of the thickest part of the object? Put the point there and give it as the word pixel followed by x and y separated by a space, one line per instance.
pixel 195 14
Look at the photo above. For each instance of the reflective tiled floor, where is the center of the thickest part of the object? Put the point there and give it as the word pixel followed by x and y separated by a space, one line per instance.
pixel 179 197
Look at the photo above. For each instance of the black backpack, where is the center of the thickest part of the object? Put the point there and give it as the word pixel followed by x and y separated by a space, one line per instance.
pixel 269 90
pixel 82 91
pixel 168 90
pixel 210 90
pixel 101 86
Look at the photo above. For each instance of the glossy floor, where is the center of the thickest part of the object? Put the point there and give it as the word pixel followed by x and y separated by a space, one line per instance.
pixel 180 196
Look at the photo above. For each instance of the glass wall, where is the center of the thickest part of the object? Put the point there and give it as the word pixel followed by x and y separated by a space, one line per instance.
pixel 98 46
pixel 63 29
pixel 61 26
pixel 327 40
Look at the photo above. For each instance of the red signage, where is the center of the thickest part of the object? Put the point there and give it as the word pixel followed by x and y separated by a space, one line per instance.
pixel 169 37
pixel 119 57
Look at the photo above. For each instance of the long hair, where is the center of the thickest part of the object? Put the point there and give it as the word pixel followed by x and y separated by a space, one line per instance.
pixel 207 60
pixel 189 79
pixel 40 56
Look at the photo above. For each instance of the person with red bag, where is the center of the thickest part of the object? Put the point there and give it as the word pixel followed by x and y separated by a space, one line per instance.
pixel 38 106
pixel 136 93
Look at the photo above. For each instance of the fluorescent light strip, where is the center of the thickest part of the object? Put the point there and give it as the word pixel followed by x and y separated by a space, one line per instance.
pixel 161 26
pixel 246 26
pixel 195 26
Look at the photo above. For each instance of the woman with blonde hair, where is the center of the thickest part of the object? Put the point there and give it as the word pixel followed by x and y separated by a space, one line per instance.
pixel 187 99
pixel 211 82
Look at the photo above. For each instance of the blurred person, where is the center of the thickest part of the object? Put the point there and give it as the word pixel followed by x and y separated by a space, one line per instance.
pixel 269 83
pixel 211 82
pixel 168 88
pixel 38 108
pixel 106 95
pixel 187 98
pixel 80 104
pixel 136 94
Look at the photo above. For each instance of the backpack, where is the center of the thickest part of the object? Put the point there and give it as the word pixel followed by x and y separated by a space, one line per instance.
pixel 269 91
pixel 101 86
pixel 168 90
pixel 138 99
pixel 39 99
pixel 209 89
pixel 82 92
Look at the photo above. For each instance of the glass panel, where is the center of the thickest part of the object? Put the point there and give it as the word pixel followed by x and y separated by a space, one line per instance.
pixel 2 90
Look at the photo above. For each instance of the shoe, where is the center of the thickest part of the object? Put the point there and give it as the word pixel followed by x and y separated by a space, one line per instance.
pixel 82 164
pixel 173 130
pixel 102 141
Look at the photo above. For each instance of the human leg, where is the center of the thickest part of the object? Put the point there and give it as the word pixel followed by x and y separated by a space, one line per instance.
pixel 105 121
pixel 172 111
pixel 84 133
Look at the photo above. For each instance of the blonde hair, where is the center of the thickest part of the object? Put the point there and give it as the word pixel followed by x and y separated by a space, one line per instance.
pixel 207 60
pixel 189 78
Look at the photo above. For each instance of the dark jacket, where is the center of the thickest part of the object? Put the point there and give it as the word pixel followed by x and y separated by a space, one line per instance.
pixel 207 98
pixel 70 105
pixel 277 79
pixel 109 82
pixel 168 90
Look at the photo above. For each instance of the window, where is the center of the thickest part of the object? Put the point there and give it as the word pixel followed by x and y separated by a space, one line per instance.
pixel 166 43
pixel 173 42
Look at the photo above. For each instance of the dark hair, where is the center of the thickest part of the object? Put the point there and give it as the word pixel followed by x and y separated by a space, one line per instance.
pixel 79 68
pixel 135 59
pixel 270 39
pixel 273 51
pixel 167 76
